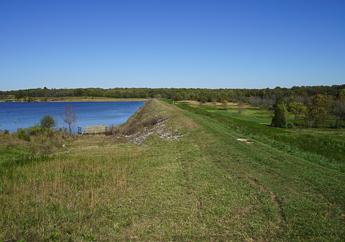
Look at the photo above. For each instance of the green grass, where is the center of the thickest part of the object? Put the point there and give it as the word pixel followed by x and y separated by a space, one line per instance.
pixel 205 186
pixel 327 143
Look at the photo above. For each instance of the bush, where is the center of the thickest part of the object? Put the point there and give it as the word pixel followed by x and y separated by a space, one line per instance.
pixel 23 134
pixel 35 130
pixel 5 131
pixel 47 122
pixel 26 133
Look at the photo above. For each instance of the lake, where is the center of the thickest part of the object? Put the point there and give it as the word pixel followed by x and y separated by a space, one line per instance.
pixel 14 115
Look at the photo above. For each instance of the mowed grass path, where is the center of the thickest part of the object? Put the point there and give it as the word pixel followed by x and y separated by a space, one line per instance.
pixel 205 186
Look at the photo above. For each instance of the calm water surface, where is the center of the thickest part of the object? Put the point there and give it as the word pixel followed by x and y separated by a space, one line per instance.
pixel 22 115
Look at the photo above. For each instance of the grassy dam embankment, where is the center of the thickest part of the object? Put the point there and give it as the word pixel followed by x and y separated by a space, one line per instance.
pixel 177 172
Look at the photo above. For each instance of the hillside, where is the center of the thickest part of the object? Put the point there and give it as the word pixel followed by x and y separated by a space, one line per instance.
pixel 179 172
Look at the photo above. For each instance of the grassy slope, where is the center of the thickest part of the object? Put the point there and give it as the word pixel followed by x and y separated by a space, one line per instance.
pixel 205 186
pixel 327 143
pixel 310 197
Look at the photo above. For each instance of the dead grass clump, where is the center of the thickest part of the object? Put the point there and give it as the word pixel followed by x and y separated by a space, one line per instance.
pixel 47 143
pixel 40 143
pixel 146 117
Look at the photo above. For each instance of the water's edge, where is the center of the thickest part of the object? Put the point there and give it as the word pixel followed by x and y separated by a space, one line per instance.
pixel 15 115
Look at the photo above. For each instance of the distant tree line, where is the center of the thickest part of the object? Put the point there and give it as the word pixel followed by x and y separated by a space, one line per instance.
pixel 312 106
pixel 319 110
pixel 256 96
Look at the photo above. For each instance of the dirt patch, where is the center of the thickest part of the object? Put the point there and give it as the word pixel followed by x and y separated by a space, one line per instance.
pixel 160 129
pixel 244 141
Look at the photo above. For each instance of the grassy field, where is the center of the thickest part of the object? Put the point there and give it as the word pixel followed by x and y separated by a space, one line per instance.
pixel 319 144
pixel 285 185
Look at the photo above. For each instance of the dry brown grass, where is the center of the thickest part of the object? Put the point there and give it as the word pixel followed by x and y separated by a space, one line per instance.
pixel 155 111
pixel 43 143
pixel 154 118
pixel 216 104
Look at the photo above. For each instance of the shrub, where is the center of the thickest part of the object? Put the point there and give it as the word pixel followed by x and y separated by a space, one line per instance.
pixel 47 122
pixel 34 130
pixel 5 131
pixel 298 109
pixel 23 134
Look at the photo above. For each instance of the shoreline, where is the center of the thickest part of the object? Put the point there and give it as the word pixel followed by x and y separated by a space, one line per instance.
pixel 76 99
pixel 90 129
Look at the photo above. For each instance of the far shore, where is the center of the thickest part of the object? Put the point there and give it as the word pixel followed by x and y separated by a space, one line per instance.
pixel 76 99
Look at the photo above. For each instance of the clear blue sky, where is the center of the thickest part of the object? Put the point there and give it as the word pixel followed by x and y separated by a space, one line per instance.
pixel 171 43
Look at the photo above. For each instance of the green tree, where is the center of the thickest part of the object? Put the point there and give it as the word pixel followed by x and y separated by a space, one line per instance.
pixel 202 99
pixel 318 110
pixel 342 94
pixel 339 112
pixel 280 115
pixel 339 109
pixel 298 109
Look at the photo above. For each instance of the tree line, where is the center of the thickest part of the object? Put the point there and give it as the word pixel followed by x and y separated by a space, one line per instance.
pixel 312 106
pixel 317 111
pixel 258 96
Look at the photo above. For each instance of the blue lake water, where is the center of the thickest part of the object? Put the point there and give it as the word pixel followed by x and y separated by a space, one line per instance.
pixel 21 115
